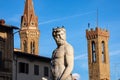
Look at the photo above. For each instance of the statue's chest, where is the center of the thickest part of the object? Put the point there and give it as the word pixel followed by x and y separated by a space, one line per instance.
pixel 59 52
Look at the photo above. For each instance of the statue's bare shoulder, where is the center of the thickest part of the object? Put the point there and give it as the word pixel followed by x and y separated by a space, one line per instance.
pixel 69 49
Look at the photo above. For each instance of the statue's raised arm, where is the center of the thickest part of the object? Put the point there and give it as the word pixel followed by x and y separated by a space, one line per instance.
pixel 62 57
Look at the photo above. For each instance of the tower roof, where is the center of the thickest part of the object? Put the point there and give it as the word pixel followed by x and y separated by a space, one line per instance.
pixel 29 9
pixel 29 14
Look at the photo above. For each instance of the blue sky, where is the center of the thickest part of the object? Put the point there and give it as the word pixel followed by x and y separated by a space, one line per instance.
pixel 74 15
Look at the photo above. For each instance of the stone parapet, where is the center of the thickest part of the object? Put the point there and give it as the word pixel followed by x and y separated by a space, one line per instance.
pixel 92 34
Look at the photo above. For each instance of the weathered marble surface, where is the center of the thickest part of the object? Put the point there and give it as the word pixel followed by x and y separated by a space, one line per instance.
pixel 62 57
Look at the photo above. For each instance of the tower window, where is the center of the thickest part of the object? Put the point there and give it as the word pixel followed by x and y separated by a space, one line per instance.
pixel 25 46
pixel 93 52
pixel 32 23
pixel 24 24
pixel 32 46
pixel 103 51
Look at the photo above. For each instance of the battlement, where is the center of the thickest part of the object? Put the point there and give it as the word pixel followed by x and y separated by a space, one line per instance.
pixel 92 34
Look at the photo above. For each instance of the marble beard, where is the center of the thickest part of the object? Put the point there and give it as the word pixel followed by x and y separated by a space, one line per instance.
pixel 62 57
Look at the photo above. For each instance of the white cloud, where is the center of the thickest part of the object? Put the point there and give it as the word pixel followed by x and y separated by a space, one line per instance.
pixel 113 53
pixel 82 56
pixel 76 76
pixel 63 18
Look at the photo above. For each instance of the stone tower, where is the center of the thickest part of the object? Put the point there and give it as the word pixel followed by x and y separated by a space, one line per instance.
pixel 29 33
pixel 98 55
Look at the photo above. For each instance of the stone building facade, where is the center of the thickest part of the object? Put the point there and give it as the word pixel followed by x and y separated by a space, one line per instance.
pixel 31 67
pixel 6 50
pixel 98 55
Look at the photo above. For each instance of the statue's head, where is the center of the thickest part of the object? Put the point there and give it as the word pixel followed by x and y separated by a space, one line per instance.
pixel 59 35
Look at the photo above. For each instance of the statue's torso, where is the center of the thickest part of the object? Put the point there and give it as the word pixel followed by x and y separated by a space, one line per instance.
pixel 58 61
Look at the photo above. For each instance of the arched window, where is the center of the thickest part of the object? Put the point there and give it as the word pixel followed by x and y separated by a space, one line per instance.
pixel 93 52
pixel 25 46
pixel 32 46
pixel 103 51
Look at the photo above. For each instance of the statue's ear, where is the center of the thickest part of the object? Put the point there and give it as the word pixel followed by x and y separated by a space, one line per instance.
pixel 53 33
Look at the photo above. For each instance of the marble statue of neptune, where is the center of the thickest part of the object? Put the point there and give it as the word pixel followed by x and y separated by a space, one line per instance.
pixel 62 57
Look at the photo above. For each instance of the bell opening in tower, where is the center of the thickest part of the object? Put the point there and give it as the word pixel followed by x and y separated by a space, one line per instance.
pixel 103 51
pixel 93 52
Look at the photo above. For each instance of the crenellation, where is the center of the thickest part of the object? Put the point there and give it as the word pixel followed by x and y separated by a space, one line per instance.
pixel 92 29
pixel 97 32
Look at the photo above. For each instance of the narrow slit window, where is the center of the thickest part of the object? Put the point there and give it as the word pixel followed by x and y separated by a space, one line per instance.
pixel 93 52
pixel 32 46
pixel 103 51
pixel 25 46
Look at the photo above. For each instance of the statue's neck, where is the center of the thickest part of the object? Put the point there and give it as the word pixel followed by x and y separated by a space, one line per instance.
pixel 60 45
